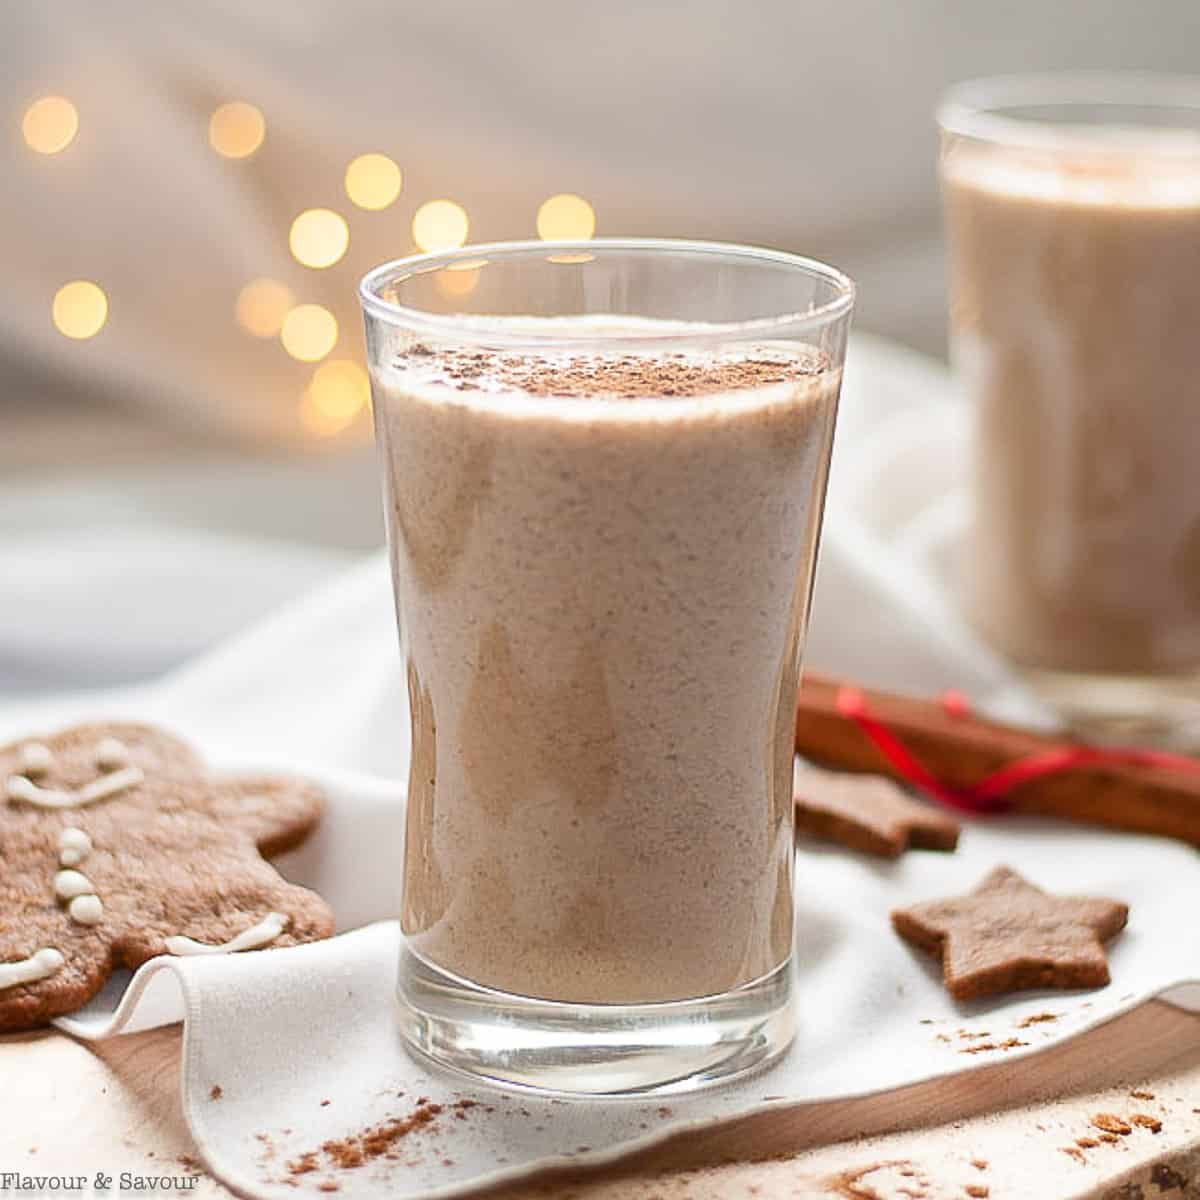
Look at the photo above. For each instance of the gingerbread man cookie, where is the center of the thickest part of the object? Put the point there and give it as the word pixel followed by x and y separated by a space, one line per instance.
pixel 116 846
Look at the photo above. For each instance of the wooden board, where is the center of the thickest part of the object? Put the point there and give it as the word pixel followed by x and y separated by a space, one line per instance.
pixel 70 1108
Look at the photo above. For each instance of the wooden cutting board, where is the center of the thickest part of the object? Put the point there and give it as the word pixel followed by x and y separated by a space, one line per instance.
pixel 74 1109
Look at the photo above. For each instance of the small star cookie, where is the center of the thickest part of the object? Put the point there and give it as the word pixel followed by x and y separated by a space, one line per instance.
pixel 116 845
pixel 868 813
pixel 1007 935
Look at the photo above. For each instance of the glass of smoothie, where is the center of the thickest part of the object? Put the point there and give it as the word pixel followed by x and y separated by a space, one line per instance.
pixel 1073 218
pixel 604 469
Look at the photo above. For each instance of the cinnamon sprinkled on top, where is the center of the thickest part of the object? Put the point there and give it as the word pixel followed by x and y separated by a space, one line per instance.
pixel 612 376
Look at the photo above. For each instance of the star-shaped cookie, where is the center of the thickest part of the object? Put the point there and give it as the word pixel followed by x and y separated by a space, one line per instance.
pixel 868 813
pixel 1006 935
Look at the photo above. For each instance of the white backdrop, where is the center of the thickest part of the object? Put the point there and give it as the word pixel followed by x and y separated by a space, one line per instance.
pixel 799 124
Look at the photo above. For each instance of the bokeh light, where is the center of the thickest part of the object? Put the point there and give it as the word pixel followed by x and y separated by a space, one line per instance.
pixel 50 124
pixel 461 279
pixel 373 181
pixel 236 129
pixel 319 237
pixel 80 309
pixel 569 259
pixel 262 305
pixel 309 332
pixel 440 225
pixel 565 217
pixel 338 392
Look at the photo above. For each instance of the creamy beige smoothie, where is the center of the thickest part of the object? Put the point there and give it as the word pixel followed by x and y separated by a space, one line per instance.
pixel 601 565
pixel 1076 324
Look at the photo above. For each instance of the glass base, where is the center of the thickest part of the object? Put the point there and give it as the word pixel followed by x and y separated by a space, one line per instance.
pixel 586 1049
pixel 1160 711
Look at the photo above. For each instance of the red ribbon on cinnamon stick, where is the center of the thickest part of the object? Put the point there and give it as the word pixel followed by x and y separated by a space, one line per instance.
pixel 964 762
pixel 992 793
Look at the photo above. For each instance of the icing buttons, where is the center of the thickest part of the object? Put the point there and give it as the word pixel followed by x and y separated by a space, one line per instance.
pixel 84 907
pixel 86 910
pixel 74 846
pixel 69 884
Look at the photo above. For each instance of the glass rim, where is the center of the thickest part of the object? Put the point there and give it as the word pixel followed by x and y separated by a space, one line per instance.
pixel 473 326
pixel 975 108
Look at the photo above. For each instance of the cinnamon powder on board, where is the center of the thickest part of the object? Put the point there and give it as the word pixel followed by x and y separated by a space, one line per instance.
pixel 377 1141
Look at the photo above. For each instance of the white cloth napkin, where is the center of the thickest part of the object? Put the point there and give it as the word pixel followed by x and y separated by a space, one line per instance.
pixel 317 690
pixel 280 1032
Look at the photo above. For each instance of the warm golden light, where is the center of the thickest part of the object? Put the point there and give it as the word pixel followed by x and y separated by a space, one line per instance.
pixel 319 237
pixel 80 309
pixel 373 181
pixel 440 225
pixel 339 391
pixel 309 332
pixel 315 421
pixel 50 124
pixel 565 217
pixel 236 129
pixel 261 307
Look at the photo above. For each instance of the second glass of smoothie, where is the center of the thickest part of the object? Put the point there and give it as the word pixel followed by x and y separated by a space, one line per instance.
pixel 604 467
pixel 1073 219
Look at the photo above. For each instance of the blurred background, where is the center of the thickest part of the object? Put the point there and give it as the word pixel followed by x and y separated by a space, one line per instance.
pixel 191 192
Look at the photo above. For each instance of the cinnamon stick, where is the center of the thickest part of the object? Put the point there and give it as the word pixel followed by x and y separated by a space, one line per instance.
pixel 961 749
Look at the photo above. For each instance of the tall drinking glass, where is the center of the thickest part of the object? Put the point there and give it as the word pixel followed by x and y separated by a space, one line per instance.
pixel 604 469
pixel 1073 214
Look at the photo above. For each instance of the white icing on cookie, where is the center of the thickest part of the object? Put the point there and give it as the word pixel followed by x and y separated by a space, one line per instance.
pixel 262 934
pixel 19 787
pixel 36 759
pixel 69 884
pixel 111 753
pixel 86 910
pixel 110 785
pixel 74 846
pixel 40 965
